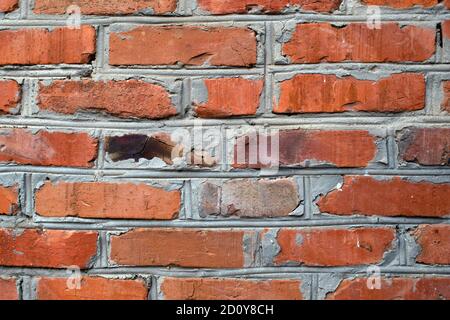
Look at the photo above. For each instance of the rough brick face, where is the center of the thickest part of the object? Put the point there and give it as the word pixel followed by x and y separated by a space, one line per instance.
pixel 9 200
pixel 394 289
pixel 191 46
pixel 91 288
pixel 402 4
pixel 9 96
pixel 230 289
pixel 47 248
pixel 250 198
pixel 333 247
pixel 429 147
pixel 434 244
pixel 47 148
pixel 107 200
pixel 446 93
pixel 8 5
pixel 182 247
pixel 342 149
pixel 228 97
pixel 125 99
pixel 101 7
pixel 315 93
pixel 41 46
pixel 268 6
pixel 393 197
pixel 8 289
pixel 322 42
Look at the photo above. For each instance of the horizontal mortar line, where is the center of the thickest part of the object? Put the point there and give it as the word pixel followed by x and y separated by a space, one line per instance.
pixel 278 272
pixel 108 225
pixel 168 71
pixel 45 73
pixel 433 16
pixel 360 66
pixel 139 173
pixel 296 120
pixel 258 70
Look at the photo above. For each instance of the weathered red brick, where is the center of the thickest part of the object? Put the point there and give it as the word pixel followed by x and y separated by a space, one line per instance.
pixel 158 145
pixel 182 247
pixel 250 198
pixel 391 197
pixel 107 200
pixel 9 200
pixel 8 289
pixel 185 45
pixel 323 42
pixel 102 7
pixel 434 243
pixel 446 99
pixel 8 5
pixel 228 97
pixel 426 146
pixel 334 247
pixel 230 289
pixel 310 93
pixel 344 149
pixel 267 6
pixel 9 95
pixel 393 289
pixel 91 288
pixel 401 4
pixel 47 248
pixel 45 148
pixel 446 29
pixel 41 46
pixel 130 98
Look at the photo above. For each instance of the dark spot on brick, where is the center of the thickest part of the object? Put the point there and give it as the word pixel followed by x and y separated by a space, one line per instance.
pixel 140 147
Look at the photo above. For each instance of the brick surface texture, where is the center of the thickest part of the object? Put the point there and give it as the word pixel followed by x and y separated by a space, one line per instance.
pixel 224 149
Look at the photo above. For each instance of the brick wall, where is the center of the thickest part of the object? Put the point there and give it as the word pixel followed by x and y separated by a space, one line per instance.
pixel 99 177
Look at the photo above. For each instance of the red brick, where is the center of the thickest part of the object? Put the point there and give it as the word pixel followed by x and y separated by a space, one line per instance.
pixel 393 197
pixel 8 289
pixel 344 149
pixel 182 248
pixel 309 93
pixel 91 288
pixel 402 4
pixel 191 45
pixel 107 200
pixel 322 42
pixel 9 95
pixel 393 289
pixel 434 243
pixel 102 7
pixel 131 98
pixel 430 147
pixel 47 248
pixel 446 93
pixel 334 247
pixel 266 6
pixel 447 4
pixel 41 46
pixel 8 5
pixel 446 29
pixel 48 148
pixel 9 200
pixel 250 198
pixel 228 97
pixel 230 289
